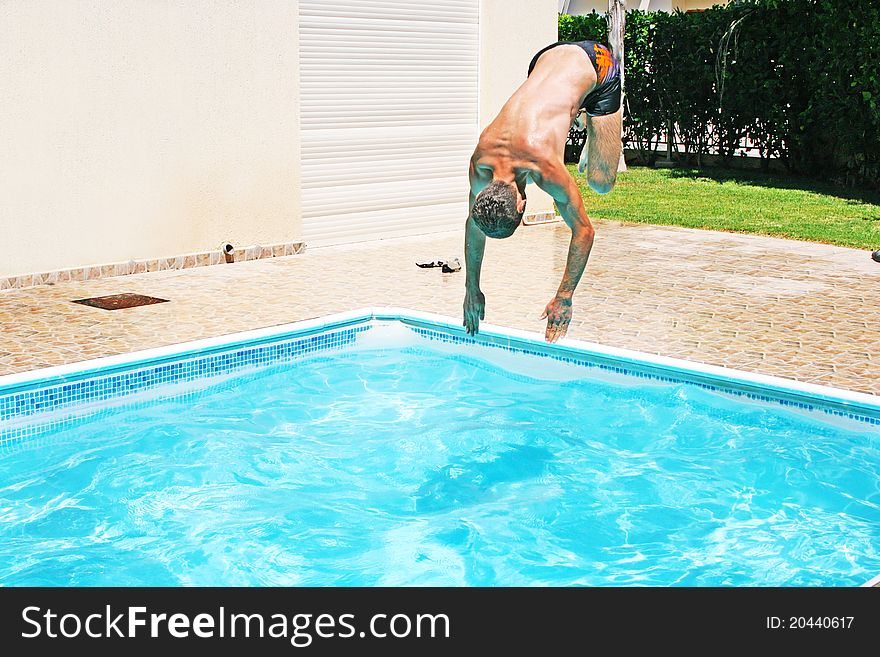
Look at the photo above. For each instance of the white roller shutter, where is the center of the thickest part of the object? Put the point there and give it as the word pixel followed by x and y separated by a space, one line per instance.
pixel 389 102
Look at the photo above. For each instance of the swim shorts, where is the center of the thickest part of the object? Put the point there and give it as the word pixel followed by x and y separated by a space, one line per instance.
pixel 604 99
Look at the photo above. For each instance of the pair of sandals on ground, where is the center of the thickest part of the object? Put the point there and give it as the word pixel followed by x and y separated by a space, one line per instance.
pixel 446 266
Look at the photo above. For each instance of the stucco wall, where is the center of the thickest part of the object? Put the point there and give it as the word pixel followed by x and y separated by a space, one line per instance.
pixel 133 129
pixel 138 130
pixel 511 32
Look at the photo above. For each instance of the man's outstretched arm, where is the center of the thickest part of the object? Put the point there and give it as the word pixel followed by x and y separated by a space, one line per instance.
pixel 474 248
pixel 559 184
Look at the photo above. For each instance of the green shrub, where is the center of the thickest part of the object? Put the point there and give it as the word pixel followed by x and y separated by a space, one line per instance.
pixel 799 77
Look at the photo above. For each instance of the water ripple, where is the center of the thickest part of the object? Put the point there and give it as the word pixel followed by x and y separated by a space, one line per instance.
pixel 416 468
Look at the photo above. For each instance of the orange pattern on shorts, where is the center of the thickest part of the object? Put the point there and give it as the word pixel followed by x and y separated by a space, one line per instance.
pixel 604 60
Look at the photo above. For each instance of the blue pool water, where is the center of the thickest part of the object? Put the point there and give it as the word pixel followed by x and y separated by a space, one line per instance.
pixel 414 466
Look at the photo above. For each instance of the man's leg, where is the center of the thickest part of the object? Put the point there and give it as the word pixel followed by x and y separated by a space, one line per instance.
pixel 580 123
pixel 603 146
pixel 585 152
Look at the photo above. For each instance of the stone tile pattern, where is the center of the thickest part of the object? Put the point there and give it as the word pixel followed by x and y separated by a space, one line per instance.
pixel 189 261
pixel 804 311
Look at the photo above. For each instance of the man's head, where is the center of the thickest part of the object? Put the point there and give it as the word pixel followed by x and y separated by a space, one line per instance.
pixel 498 209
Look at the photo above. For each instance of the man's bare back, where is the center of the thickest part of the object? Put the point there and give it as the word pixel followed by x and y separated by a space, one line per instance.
pixel 533 125
pixel 525 143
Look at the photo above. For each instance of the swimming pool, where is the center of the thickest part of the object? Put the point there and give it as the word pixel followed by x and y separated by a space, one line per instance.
pixel 385 447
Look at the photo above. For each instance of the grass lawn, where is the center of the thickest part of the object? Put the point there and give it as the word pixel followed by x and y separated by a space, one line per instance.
pixel 742 202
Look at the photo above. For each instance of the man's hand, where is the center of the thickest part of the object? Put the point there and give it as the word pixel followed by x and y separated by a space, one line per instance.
pixel 474 310
pixel 558 314
pixel 557 182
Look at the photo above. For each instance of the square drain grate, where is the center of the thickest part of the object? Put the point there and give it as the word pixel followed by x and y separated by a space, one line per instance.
pixel 120 301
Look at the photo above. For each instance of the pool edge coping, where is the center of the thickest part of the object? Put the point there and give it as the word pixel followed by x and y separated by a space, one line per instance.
pixel 873 582
pixel 717 373
pixel 9 383
pixel 512 337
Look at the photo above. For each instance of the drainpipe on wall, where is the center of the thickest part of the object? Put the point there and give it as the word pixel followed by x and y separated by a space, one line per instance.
pixel 228 252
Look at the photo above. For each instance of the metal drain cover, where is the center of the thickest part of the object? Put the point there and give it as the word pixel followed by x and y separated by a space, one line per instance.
pixel 120 301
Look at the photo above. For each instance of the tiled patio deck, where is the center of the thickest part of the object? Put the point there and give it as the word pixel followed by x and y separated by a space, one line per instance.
pixel 805 311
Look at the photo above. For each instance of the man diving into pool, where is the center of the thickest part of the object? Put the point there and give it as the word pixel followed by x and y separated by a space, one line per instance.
pixel 525 143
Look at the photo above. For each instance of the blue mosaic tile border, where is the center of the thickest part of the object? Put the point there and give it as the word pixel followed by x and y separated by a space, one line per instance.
pixel 46 432
pixel 45 429
pixel 96 388
pixel 590 361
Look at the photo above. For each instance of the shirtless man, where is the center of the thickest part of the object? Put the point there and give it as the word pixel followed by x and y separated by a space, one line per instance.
pixel 525 143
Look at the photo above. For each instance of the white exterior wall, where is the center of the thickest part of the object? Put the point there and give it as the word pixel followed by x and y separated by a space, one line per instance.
pixel 133 129
pixel 139 130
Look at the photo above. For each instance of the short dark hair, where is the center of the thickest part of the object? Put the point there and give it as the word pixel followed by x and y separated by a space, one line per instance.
pixel 495 210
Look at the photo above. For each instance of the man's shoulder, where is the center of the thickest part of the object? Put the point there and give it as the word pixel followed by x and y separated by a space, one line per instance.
pixel 542 163
pixel 481 164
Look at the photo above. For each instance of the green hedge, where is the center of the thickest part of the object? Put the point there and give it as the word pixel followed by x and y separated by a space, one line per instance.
pixel 799 77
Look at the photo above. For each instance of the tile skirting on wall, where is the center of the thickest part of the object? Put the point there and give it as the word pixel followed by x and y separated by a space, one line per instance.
pixel 188 261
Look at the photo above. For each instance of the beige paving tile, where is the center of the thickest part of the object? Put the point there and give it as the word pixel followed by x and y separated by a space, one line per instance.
pixel 803 311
